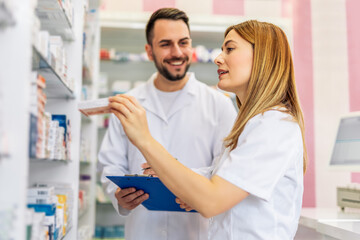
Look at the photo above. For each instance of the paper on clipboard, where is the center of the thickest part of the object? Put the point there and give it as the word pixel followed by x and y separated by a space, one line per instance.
pixel 160 197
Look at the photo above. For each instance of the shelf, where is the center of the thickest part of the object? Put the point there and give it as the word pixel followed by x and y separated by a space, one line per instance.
pixel 103 203
pixel 86 120
pixel 66 233
pixel 6 18
pixel 85 163
pixel 83 212
pixel 55 85
pixel 54 19
pixel 111 61
pixel 49 160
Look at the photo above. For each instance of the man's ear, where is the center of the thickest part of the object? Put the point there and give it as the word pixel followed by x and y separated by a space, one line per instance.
pixel 149 52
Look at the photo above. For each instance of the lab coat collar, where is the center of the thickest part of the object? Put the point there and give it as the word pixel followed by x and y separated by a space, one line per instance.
pixel 151 102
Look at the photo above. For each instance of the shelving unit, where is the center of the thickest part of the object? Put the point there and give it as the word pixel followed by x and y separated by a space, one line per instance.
pixel 6 17
pixel 19 58
pixel 90 70
pixel 55 85
pixel 55 19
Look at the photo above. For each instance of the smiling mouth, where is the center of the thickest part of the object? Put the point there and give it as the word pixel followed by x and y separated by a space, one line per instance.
pixel 220 73
pixel 175 62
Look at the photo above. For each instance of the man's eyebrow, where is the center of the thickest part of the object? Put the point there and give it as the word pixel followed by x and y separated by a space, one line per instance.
pixel 227 42
pixel 185 38
pixel 164 41
pixel 168 40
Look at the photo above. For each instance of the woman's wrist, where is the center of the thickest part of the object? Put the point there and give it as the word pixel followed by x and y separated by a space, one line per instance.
pixel 145 143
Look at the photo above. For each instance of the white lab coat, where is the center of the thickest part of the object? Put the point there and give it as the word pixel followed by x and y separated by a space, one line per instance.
pixel 192 132
pixel 268 164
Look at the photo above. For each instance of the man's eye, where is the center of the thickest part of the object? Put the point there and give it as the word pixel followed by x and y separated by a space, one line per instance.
pixel 164 45
pixel 184 43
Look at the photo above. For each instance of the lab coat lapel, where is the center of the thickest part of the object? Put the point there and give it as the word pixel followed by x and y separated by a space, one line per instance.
pixel 150 100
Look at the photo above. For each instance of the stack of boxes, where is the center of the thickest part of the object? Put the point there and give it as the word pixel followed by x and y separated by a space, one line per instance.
pixel 50 135
pixel 38 117
pixel 53 204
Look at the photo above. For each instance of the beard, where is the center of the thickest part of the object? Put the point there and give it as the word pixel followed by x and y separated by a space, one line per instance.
pixel 165 72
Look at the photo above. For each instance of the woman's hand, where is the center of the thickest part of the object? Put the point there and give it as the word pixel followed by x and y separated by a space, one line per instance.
pixel 183 205
pixel 132 117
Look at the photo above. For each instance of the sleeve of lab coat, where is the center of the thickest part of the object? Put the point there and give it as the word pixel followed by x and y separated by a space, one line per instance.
pixel 263 155
pixel 113 159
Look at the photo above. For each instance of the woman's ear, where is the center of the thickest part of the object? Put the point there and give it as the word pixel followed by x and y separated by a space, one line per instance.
pixel 148 49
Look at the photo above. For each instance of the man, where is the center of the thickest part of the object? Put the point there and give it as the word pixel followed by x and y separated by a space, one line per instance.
pixel 187 117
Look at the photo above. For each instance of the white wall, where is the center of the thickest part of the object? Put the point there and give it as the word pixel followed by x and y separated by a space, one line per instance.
pixel 331 92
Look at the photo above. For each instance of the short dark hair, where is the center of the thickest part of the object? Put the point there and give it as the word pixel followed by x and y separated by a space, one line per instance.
pixel 164 13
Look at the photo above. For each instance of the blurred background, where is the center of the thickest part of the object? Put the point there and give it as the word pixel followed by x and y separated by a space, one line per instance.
pixel 55 53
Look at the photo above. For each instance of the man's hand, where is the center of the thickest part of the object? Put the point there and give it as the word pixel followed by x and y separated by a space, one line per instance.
pixel 147 170
pixel 183 205
pixel 129 198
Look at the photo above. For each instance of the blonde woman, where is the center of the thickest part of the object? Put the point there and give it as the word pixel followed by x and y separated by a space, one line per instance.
pixel 254 191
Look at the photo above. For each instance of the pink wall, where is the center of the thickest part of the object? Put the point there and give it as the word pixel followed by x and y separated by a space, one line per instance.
pixel 353 30
pixel 303 62
pixel 153 5
pixel 228 7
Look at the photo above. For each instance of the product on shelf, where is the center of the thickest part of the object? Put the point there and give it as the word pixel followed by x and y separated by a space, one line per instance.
pixel 36 230
pixel 55 200
pixel 7 218
pixel 109 232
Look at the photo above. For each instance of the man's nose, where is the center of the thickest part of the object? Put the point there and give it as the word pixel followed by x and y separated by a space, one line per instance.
pixel 176 50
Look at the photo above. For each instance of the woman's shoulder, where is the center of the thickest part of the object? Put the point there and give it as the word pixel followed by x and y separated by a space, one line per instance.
pixel 274 118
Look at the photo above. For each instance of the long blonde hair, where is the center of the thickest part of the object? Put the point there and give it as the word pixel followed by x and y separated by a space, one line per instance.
pixel 272 80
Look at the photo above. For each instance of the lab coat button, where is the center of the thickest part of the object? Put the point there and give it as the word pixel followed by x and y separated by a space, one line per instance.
pixel 164 233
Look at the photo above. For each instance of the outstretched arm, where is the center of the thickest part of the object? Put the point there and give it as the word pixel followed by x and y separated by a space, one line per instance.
pixel 208 196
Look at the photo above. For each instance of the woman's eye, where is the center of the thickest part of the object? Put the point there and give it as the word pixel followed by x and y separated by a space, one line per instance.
pixel 229 49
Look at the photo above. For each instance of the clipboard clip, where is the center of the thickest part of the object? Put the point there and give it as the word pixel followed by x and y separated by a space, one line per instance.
pixel 138 175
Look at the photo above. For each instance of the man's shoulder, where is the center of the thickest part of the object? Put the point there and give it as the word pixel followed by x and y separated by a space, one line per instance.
pixel 211 91
pixel 138 90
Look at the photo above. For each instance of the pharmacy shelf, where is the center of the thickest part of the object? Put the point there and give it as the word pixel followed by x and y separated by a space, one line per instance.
pixel 204 72
pixel 46 160
pixel 55 85
pixel 54 19
pixel 6 17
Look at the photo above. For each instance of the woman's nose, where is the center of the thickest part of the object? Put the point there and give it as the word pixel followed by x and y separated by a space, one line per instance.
pixel 218 60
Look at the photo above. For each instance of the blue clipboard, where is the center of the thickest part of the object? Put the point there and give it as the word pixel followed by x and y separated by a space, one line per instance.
pixel 160 197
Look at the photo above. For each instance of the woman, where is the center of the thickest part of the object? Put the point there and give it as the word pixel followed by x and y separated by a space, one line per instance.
pixel 255 188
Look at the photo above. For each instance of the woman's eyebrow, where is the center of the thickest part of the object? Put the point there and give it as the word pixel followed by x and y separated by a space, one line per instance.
pixel 227 42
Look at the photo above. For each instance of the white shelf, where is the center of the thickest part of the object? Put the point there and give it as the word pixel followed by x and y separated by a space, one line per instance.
pixel 54 19
pixel 55 85
pixel 332 222
pixel 6 17
pixel 46 160
pixel 17 168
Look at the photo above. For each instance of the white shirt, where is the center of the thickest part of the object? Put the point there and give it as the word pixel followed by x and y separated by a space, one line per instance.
pixel 192 132
pixel 268 164
pixel 166 99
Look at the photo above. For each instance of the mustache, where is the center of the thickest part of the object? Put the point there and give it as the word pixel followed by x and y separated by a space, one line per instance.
pixel 177 59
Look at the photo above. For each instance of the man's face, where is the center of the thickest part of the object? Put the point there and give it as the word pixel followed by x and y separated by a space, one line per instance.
pixel 171 48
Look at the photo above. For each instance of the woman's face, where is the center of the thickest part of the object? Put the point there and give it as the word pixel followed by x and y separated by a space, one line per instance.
pixel 235 64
